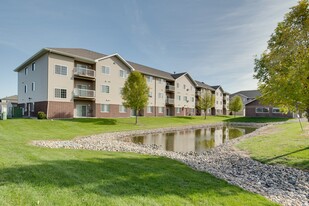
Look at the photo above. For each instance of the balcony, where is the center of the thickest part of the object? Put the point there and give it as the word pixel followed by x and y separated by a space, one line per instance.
pixel 170 101
pixel 84 93
pixel 84 73
pixel 170 88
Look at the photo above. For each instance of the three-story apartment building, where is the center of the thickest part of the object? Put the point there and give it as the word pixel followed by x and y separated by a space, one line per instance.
pixel 66 83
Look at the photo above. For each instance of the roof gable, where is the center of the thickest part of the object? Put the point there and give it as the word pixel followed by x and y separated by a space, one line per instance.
pixel 203 85
pixel 178 75
pixel 119 57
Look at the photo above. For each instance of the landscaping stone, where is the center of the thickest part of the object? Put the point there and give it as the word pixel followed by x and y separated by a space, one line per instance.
pixel 284 185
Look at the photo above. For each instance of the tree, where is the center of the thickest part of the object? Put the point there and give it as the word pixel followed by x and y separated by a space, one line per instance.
pixel 135 92
pixel 283 69
pixel 236 104
pixel 205 102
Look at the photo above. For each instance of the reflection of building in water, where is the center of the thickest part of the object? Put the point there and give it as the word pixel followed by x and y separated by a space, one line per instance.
pixel 218 136
pixel 157 139
pixel 184 141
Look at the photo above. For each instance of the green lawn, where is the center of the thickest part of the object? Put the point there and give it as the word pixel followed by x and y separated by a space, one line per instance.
pixel 40 176
pixel 282 144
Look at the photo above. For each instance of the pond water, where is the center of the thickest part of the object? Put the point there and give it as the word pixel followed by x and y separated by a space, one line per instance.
pixel 193 140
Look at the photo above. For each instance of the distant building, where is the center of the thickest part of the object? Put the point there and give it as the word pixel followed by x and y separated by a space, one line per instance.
pixel 7 104
pixel 254 108
pixel 246 96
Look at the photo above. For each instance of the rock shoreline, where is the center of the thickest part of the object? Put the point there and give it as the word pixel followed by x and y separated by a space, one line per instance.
pixel 284 185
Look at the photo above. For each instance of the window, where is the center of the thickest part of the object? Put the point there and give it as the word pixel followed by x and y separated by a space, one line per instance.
pixel 177 85
pixel 32 107
pixel 149 79
pixel 26 70
pixel 161 81
pixel 61 93
pixel 191 88
pixel 192 99
pixel 105 70
pixel 105 88
pixel 184 86
pixel 105 108
pixel 122 109
pixel 122 73
pixel 33 66
pixel 61 70
pixel 179 98
pixel 276 110
pixel 220 102
pixel 33 86
pixel 25 89
pixel 120 90
pixel 160 96
pixel 161 109
pixel 185 98
pixel 178 110
pixel 149 109
pixel 150 94
pixel 262 110
pixel 216 102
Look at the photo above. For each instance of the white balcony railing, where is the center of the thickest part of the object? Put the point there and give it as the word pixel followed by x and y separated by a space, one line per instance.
pixel 84 93
pixel 170 101
pixel 84 72
pixel 170 88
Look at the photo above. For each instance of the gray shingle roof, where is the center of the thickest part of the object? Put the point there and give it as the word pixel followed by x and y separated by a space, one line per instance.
pixel 249 93
pixel 203 85
pixel 175 76
pixel 80 52
pixel 151 71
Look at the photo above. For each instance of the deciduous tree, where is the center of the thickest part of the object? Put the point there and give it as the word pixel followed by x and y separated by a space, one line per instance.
pixel 236 104
pixel 135 92
pixel 283 69
pixel 206 102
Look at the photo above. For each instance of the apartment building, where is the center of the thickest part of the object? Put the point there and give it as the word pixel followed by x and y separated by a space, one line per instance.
pixel 67 82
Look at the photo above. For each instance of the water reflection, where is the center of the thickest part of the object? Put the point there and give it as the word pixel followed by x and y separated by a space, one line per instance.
pixel 197 140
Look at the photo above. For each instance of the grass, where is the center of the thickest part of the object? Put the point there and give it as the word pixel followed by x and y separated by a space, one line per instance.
pixel 282 144
pixel 40 176
pixel 256 119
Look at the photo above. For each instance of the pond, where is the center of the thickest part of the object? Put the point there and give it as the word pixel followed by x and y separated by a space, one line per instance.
pixel 193 140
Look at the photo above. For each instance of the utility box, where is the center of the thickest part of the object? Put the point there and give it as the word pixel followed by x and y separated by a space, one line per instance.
pixel 4 116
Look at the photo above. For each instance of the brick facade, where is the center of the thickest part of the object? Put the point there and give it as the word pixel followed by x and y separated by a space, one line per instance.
pixel 60 110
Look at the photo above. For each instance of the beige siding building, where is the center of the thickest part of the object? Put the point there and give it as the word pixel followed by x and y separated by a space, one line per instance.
pixel 68 82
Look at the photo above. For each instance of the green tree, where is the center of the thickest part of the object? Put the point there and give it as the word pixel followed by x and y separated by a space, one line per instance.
pixel 135 92
pixel 283 69
pixel 236 104
pixel 205 102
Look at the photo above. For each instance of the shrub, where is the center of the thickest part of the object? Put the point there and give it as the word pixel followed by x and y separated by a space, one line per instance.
pixel 41 115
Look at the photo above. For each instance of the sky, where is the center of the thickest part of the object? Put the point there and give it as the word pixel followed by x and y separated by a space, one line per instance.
pixel 215 41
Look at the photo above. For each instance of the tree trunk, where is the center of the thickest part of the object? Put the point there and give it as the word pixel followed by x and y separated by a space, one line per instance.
pixel 205 115
pixel 307 113
pixel 234 114
pixel 136 118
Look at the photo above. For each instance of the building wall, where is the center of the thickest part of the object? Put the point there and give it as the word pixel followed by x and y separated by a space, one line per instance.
pixel 218 101
pixel 113 80
pixel 114 111
pixel 188 90
pixel 157 95
pixel 39 76
pixel 60 81
pixel 251 111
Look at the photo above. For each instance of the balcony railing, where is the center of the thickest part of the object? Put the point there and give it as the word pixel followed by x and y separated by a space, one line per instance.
pixel 84 93
pixel 170 88
pixel 84 72
pixel 170 101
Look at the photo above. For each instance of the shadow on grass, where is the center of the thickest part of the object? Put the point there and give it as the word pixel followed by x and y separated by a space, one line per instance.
pixel 120 177
pixel 256 119
pixel 183 117
pixel 98 121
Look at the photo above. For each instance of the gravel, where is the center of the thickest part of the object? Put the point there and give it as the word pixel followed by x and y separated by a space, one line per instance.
pixel 284 185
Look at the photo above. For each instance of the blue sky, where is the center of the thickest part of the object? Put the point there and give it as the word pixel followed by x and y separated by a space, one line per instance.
pixel 214 40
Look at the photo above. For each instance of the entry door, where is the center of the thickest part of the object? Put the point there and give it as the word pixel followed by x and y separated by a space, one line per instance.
pixel 81 110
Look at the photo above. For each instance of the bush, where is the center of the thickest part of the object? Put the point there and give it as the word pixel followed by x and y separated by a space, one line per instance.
pixel 41 115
